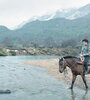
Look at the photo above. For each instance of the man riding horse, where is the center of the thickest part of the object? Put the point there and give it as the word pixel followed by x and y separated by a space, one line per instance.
pixel 74 63
pixel 85 53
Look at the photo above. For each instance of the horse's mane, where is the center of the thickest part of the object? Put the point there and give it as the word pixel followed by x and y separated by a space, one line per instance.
pixel 66 57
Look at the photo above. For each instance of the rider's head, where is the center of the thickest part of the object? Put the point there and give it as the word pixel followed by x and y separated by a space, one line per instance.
pixel 85 42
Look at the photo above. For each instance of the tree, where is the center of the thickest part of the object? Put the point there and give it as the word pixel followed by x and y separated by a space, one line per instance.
pixel 70 42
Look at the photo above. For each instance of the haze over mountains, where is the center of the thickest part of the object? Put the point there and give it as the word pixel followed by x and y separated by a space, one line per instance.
pixel 51 29
pixel 72 13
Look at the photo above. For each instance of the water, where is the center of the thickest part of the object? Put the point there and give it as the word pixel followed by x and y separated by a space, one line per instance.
pixel 32 83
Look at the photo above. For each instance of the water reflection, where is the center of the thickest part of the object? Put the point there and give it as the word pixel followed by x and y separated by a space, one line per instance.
pixel 75 96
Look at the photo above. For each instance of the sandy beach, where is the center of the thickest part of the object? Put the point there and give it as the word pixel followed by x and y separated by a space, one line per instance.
pixel 52 67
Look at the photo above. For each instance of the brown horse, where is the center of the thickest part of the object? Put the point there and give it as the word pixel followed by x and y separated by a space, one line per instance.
pixel 77 69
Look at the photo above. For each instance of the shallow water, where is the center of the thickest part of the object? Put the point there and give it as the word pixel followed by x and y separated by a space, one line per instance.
pixel 32 83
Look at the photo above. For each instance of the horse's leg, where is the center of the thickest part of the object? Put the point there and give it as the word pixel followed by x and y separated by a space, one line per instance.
pixel 84 80
pixel 73 80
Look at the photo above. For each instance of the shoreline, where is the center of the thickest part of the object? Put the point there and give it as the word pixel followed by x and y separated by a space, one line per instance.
pixel 52 67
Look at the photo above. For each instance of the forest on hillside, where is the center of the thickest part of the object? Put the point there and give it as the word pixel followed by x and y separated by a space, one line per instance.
pixel 58 32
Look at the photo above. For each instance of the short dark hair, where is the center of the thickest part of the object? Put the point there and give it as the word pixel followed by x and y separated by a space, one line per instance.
pixel 85 40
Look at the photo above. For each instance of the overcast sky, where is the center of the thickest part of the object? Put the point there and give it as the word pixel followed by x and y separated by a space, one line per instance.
pixel 14 12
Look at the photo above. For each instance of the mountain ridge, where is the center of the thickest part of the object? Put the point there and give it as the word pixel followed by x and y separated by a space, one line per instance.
pixel 72 13
pixel 47 33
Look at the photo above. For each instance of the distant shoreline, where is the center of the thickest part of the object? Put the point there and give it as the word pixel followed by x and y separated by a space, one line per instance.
pixel 39 51
pixel 52 68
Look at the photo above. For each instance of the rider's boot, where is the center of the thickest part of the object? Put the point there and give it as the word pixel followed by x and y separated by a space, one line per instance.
pixel 86 72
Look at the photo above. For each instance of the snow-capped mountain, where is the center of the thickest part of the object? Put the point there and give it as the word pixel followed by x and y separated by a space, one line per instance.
pixel 71 14
pixel 81 12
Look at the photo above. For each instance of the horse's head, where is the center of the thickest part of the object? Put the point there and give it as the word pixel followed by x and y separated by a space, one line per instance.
pixel 62 65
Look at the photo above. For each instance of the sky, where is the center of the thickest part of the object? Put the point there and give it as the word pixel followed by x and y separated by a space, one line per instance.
pixel 14 12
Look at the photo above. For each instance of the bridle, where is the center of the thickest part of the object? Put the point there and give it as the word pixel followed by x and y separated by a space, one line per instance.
pixel 65 62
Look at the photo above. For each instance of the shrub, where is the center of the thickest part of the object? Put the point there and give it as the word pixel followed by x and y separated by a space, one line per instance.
pixel 3 53
pixel 13 53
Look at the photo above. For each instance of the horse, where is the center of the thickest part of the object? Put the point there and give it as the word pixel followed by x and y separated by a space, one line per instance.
pixel 76 68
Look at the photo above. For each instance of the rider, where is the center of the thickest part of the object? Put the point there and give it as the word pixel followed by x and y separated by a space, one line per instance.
pixel 85 52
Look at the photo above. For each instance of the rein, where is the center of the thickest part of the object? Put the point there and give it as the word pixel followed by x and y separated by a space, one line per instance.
pixel 65 70
pixel 67 62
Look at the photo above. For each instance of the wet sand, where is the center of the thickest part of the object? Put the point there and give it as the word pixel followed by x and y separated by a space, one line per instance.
pixel 52 67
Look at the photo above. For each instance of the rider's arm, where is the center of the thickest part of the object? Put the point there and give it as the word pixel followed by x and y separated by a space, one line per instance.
pixel 82 51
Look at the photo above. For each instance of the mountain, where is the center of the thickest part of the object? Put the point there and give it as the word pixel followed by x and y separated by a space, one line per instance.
pixel 3 29
pixel 72 13
pixel 50 32
pixel 47 33
pixel 81 12
pixel 58 29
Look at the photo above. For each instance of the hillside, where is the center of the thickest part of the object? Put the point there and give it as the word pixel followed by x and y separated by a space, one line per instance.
pixel 55 30
pixel 46 33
